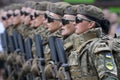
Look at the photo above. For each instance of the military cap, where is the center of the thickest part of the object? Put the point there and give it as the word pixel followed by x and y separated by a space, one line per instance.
pixel 72 10
pixel 90 10
pixel 58 8
pixel 42 5
pixel 14 7
pixel 30 4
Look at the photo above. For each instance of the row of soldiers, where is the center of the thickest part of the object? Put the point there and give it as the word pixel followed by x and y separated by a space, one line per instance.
pixel 58 41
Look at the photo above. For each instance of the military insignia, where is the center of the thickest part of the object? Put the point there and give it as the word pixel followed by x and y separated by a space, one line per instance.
pixel 108 56
pixel 109 65
pixel 108 61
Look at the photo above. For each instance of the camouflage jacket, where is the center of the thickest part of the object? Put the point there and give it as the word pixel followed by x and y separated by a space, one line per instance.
pixel 91 55
pixel 45 38
pixel 10 30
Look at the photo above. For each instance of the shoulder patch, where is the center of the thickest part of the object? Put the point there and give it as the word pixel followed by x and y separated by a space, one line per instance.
pixel 100 47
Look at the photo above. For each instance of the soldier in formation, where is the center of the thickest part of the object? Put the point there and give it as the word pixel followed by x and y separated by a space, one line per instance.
pixel 58 41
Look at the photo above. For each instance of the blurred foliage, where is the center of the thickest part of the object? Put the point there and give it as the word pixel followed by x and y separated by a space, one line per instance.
pixel 115 9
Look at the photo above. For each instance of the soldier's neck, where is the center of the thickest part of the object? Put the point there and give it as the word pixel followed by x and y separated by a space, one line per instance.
pixel 92 33
pixel 67 36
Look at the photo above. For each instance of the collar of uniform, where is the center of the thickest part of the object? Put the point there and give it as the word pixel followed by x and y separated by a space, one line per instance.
pixel 92 33
pixel 56 33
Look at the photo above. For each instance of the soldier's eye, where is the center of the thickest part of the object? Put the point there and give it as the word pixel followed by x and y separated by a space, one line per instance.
pixel 31 17
pixel 9 15
pixel 26 14
pixel 64 21
pixel 4 18
pixel 45 16
pixel 22 13
pixel 36 15
pixel 50 19
pixel 79 19
pixel 14 14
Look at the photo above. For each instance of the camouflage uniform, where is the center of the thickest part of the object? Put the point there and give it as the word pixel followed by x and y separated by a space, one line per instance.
pixel 80 60
pixel 10 30
pixel 56 8
pixel 95 56
pixel 41 6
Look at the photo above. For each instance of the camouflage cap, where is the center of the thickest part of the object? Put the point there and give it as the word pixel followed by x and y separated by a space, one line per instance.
pixel 90 10
pixel 42 5
pixel 58 8
pixel 14 7
pixel 72 10
pixel 30 4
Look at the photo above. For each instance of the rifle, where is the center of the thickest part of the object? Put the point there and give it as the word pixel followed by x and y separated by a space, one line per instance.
pixel 29 56
pixel 54 55
pixel 21 43
pixel 11 43
pixel 4 41
pixel 17 44
pixel 20 51
pixel 40 54
pixel 62 57
pixel 15 37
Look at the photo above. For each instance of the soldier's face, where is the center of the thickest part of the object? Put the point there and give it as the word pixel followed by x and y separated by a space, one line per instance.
pixel 39 19
pixel 17 17
pixel 32 18
pixel 23 16
pixel 10 17
pixel 82 24
pixel 68 25
pixel 27 16
pixel 53 22
pixel 4 19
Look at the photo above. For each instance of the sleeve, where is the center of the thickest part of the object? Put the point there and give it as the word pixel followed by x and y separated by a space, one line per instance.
pixel 103 60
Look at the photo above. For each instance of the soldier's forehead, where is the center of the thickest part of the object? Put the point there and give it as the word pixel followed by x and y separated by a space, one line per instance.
pixel 23 8
pixel 4 13
pixel 17 11
pixel 68 16
pixel 28 9
pixel 10 11
pixel 33 11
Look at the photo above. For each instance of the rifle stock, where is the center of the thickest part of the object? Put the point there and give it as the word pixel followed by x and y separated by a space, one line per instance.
pixel 54 55
pixel 62 56
pixel 29 56
pixel 40 54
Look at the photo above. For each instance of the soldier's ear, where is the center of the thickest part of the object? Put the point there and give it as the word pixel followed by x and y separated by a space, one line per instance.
pixel 91 24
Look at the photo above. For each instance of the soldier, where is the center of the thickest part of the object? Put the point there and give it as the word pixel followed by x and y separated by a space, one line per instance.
pixel 38 28
pixel 24 29
pixel 12 18
pixel 4 19
pixel 95 57
pixel 37 18
pixel 25 18
pixel 53 17
pixel 68 35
